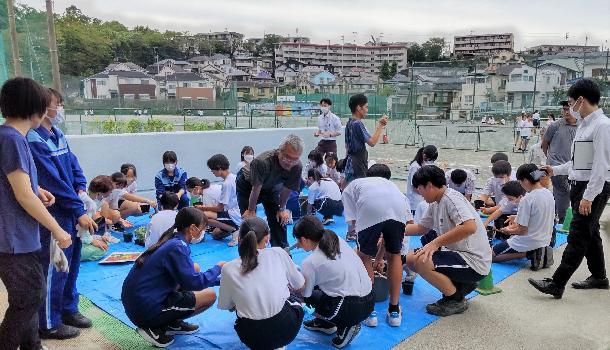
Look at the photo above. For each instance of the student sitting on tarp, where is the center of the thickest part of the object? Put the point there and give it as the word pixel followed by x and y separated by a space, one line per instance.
pixel 127 203
pixel 202 192
pixel 324 196
pixel 513 192
pixel 172 178
pixel 95 246
pixel 163 220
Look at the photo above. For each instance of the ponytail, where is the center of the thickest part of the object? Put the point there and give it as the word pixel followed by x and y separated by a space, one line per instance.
pixel 419 157
pixel 311 227
pixel 329 244
pixel 166 236
pixel 251 233
pixel 315 175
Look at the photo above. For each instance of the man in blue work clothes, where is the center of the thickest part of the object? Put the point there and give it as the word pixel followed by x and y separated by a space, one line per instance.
pixel 60 173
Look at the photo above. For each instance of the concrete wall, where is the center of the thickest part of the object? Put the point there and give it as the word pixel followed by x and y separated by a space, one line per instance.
pixel 104 154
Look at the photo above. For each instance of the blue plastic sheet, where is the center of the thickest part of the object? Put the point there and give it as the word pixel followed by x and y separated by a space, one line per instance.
pixel 102 285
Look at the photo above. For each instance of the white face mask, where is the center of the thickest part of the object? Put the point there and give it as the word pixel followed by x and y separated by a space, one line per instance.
pixel 59 117
pixel 576 114
pixel 170 166
pixel 248 157
pixel 325 110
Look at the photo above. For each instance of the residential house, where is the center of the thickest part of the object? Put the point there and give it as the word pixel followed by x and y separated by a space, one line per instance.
pixel 323 78
pixel 568 68
pixel 219 60
pixel 521 84
pixel 168 66
pixel 122 83
pixel 124 66
pixel 186 85
pixel 248 91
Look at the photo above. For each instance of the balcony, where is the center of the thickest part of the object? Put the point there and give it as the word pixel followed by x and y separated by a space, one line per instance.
pixel 513 86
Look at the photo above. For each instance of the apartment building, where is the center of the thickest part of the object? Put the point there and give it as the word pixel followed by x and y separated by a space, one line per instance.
pixel 483 45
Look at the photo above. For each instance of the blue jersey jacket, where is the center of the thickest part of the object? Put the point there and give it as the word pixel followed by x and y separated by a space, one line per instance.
pixel 164 183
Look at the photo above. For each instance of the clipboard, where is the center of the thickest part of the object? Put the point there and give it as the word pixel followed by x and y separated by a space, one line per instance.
pixel 582 158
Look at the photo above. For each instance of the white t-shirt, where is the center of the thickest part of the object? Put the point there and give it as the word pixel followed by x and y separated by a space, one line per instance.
pixel 133 188
pixel 262 292
pixel 537 212
pixel 322 168
pixel 372 200
pixel 342 277
pixel 414 197
pixel 329 122
pixel 334 174
pixel 526 130
pixel 452 210
pixel 536 116
pixel 493 187
pixel 228 197
pixel 158 224
pixel 327 188
pixel 467 187
pixel 114 197
pixel 211 195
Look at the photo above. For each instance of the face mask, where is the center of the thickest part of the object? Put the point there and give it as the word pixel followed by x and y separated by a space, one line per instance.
pixel 428 162
pixel 248 157
pixel 576 114
pixel 59 117
pixel 170 166
pixel 325 110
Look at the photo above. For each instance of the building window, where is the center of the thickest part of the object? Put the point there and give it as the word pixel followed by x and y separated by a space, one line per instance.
pixel 100 82
pixel 144 82
pixel 468 98
pixel 144 96
pixel 200 84
pixel 129 96
pixel 185 85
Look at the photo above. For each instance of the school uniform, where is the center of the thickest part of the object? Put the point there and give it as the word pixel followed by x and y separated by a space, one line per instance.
pixel 328 122
pixel 414 197
pixel 378 208
pixel 132 188
pixel 115 199
pixel 356 137
pixel 340 290
pixel 158 224
pixel 211 195
pixel 325 196
pixel 163 182
pixel 267 316
pixel 150 294
pixel 465 188
pixel 228 198
pixel 334 175
pixel 322 168
pixel 493 188
pixel 59 173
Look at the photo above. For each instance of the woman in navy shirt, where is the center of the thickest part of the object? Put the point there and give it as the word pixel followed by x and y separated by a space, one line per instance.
pixel 172 179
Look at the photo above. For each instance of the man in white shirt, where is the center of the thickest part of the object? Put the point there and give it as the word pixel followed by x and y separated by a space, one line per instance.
pixel 589 177
pixel 329 127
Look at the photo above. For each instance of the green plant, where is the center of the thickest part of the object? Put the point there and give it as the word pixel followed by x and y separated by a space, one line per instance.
pixel 140 232
pixel 134 126
pixel 110 126
pixel 219 126
pixel 154 125
pixel 196 126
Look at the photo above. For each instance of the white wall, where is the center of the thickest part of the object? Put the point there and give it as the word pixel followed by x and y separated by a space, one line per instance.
pixel 104 154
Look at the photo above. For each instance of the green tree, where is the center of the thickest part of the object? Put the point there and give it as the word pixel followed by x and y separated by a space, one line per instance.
pixel 433 49
pixel 384 72
pixel 416 53
pixel 393 69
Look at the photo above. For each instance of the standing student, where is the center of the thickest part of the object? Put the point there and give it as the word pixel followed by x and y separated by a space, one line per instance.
pixel 23 103
pixel 461 181
pixel 131 173
pixel 526 133
pixel 536 119
pixel 257 287
pixel 329 127
pixel 337 284
pixel 246 155
pixel 376 207
pixel 324 196
pixel 164 286
pixel 163 220
pixel 425 156
pixel 589 193
pixel 269 180
pixel 60 173
pixel 357 137
pixel 460 255
pixel 172 178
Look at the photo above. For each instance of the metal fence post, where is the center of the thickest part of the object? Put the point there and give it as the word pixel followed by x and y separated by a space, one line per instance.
pixel 478 138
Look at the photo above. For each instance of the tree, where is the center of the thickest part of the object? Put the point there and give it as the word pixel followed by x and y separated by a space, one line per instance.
pixel 384 72
pixel 393 69
pixel 416 53
pixel 433 49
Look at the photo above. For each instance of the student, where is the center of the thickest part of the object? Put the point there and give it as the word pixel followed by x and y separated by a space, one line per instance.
pixel 357 137
pixel 23 104
pixel 316 161
pixel 130 172
pixel 460 255
pixel 526 133
pixel 329 127
pixel 425 156
pixel 95 246
pixel 163 220
pixel 324 196
pixel 164 286
pixel 536 119
pixel 202 192
pixel 492 192
pixel 126 203
pixel 337 284
pixel 247 154
pixel 172 178
pixel 518 129
pixel 225 215
pixel 461 181
pixel 257 287
pixel 376 207
pixel 331 163
pixel 533 227
pixel 513 192
pixel 60 173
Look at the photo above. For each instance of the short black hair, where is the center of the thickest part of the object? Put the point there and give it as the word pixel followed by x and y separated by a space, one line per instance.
pixel 316 156
pixel 586 88
pixel 564 103
pixel 524 172
pixel 501 167
pixel 57 95
pixel 119 178
pixel 169 200
pixel 127 166
pixel 513 188
pixel 192 182
pixel 170 157
pixel 379 170
pixel 23 98
pixel 357 100
pixel 340 167
pixel 429 174
pixel 327 101
pixel 499 156
pixel 458 176
pixel 331 155
pixel 430 153
pixel 244 150
pixel 218 162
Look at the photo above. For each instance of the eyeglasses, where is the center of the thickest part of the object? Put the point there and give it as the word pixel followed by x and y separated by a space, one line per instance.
pixel 288 160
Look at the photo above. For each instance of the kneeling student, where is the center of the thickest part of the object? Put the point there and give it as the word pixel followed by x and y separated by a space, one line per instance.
pixel 324 196
pixel 257 287
pixel 164 287
pixel 533 227
pixel 460 255
pixel 513 192
pixel 343 291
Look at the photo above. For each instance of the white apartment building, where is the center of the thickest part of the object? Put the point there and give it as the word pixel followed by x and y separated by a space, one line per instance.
pixel 485 44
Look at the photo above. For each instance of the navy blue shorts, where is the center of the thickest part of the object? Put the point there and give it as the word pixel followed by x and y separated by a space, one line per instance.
pixel 224 217
pixel 503 248
pixel 393 233
pixel 177 306
pixel 452 265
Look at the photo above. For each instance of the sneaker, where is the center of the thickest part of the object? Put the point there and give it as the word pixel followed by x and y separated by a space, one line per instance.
pixel 60 332
pixel 320 325
pixel 234 240
pixel 371 321
pixel 342 340
pixel 77 320
pixel 156 337
pixel 328 221
pixel 351 236
pixel 180 327
pixel 395 318
pixel 447 307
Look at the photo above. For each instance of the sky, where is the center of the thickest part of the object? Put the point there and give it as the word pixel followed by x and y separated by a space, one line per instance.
pixel 533 22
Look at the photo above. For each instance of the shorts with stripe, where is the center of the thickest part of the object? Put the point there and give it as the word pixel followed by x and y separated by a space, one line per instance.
pixel 503 248
pixel 342 311
pixel 452 265
pixel 177 306
pixel 224 217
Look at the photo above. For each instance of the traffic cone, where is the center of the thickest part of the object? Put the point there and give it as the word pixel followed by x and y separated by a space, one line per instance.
pixel 486 286
pixel 566 221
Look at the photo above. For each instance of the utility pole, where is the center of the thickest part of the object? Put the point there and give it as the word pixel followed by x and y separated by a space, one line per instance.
pixel 535 81
pixel 53 47
pixel 584 56
pixel 14 43
pixel 606 70
pixel 474 87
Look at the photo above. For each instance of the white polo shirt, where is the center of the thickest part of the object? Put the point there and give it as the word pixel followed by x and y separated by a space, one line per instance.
pixel 159 223
pixel 228 198
pixel 327 188
pixel 329 122
pixel 537 213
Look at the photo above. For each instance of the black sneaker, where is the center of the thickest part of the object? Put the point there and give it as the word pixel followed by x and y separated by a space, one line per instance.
pixel 328 221
pixel 342 340
pixel 61 332
pixel 351 236
pixel 180 327
pixel 320 325
pixel 447 307
pixel 156 337
pixel 77 320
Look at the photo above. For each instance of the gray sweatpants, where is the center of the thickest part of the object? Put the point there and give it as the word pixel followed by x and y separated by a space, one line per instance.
pixel 561 192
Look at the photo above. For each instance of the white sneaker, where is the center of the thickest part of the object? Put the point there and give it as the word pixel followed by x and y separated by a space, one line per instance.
pixel 395 318
pixel 371 321
pixel 234 240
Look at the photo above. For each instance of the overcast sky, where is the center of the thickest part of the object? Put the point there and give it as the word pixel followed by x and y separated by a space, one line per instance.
pixel 532 21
